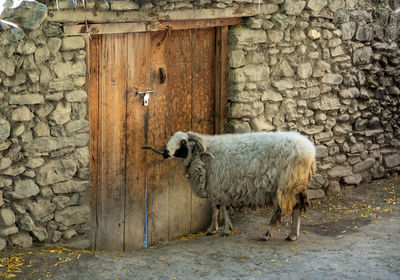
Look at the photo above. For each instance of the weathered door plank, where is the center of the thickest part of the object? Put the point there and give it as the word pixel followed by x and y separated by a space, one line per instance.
pixel 134 27
pixel 158 202
pixel 138 78
pixel 203 49
pixel 112 120
pixel 221 98
pixel 179 57
pixel 203 53
pixel 93 107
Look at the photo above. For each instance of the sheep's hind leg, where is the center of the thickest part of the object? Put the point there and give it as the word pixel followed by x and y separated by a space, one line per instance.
pixel 301 205
pixel 295 223
pixel 276 217
pixel 228 224
pixel 214 220
pixel 304 201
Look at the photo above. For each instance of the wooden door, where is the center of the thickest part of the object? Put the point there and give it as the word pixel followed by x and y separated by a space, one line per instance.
pixel 138 198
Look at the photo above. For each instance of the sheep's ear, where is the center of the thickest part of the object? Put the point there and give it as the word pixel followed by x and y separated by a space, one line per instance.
pixel 197 139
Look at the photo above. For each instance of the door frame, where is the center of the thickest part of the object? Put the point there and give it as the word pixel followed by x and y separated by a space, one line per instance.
pixel 221 66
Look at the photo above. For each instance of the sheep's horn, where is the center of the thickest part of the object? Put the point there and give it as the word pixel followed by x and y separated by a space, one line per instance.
pixel 207 154
pixel 195 138
pixel 153 149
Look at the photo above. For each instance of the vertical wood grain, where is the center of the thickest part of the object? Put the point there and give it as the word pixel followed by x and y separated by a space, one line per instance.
pixel 221 97
pixel 92 86
pixel 112 143
pixel 158 133
pixel 138 78
pixel 203 112
pixel 179 57
pixel 203 72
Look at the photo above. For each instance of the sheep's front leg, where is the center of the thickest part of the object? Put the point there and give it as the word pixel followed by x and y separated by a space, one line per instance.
pixel 276 217
pixel 228 224
pixel 214 220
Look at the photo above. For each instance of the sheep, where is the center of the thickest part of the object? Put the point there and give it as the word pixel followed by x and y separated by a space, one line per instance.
pixel 247 170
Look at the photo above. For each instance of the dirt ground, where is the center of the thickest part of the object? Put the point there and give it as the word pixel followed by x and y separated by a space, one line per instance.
pixel 353 236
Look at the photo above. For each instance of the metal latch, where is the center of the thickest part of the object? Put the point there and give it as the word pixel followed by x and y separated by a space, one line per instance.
pixel 146 95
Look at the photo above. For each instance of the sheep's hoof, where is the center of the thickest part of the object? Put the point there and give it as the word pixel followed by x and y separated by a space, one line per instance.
pixel 291 237
pixel 264 238
pixel 225 233
pixel 211 232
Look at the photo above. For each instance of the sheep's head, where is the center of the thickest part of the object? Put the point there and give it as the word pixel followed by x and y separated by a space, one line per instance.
pixel 181 145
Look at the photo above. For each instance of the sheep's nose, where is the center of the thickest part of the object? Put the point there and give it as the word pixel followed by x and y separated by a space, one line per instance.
pixel 165 154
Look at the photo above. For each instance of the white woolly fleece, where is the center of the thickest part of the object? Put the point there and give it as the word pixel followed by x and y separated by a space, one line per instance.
pixel 256 169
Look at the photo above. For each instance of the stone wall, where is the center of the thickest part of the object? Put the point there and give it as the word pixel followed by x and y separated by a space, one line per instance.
pixel 326 68
pixel 330 70
pixel 44 136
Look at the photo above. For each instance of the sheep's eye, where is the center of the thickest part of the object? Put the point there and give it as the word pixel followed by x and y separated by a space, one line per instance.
pixel 183 142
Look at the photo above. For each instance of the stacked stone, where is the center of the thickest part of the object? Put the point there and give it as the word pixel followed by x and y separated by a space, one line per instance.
pixel 328 71
pixel 43 132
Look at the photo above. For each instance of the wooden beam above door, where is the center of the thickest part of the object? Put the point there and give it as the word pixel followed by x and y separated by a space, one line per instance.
pixel 77 17
pixel 135 27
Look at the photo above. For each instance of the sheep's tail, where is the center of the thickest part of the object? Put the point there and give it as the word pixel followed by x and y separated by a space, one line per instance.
pixel 296 180
pixel 313 170
pixel 304 201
